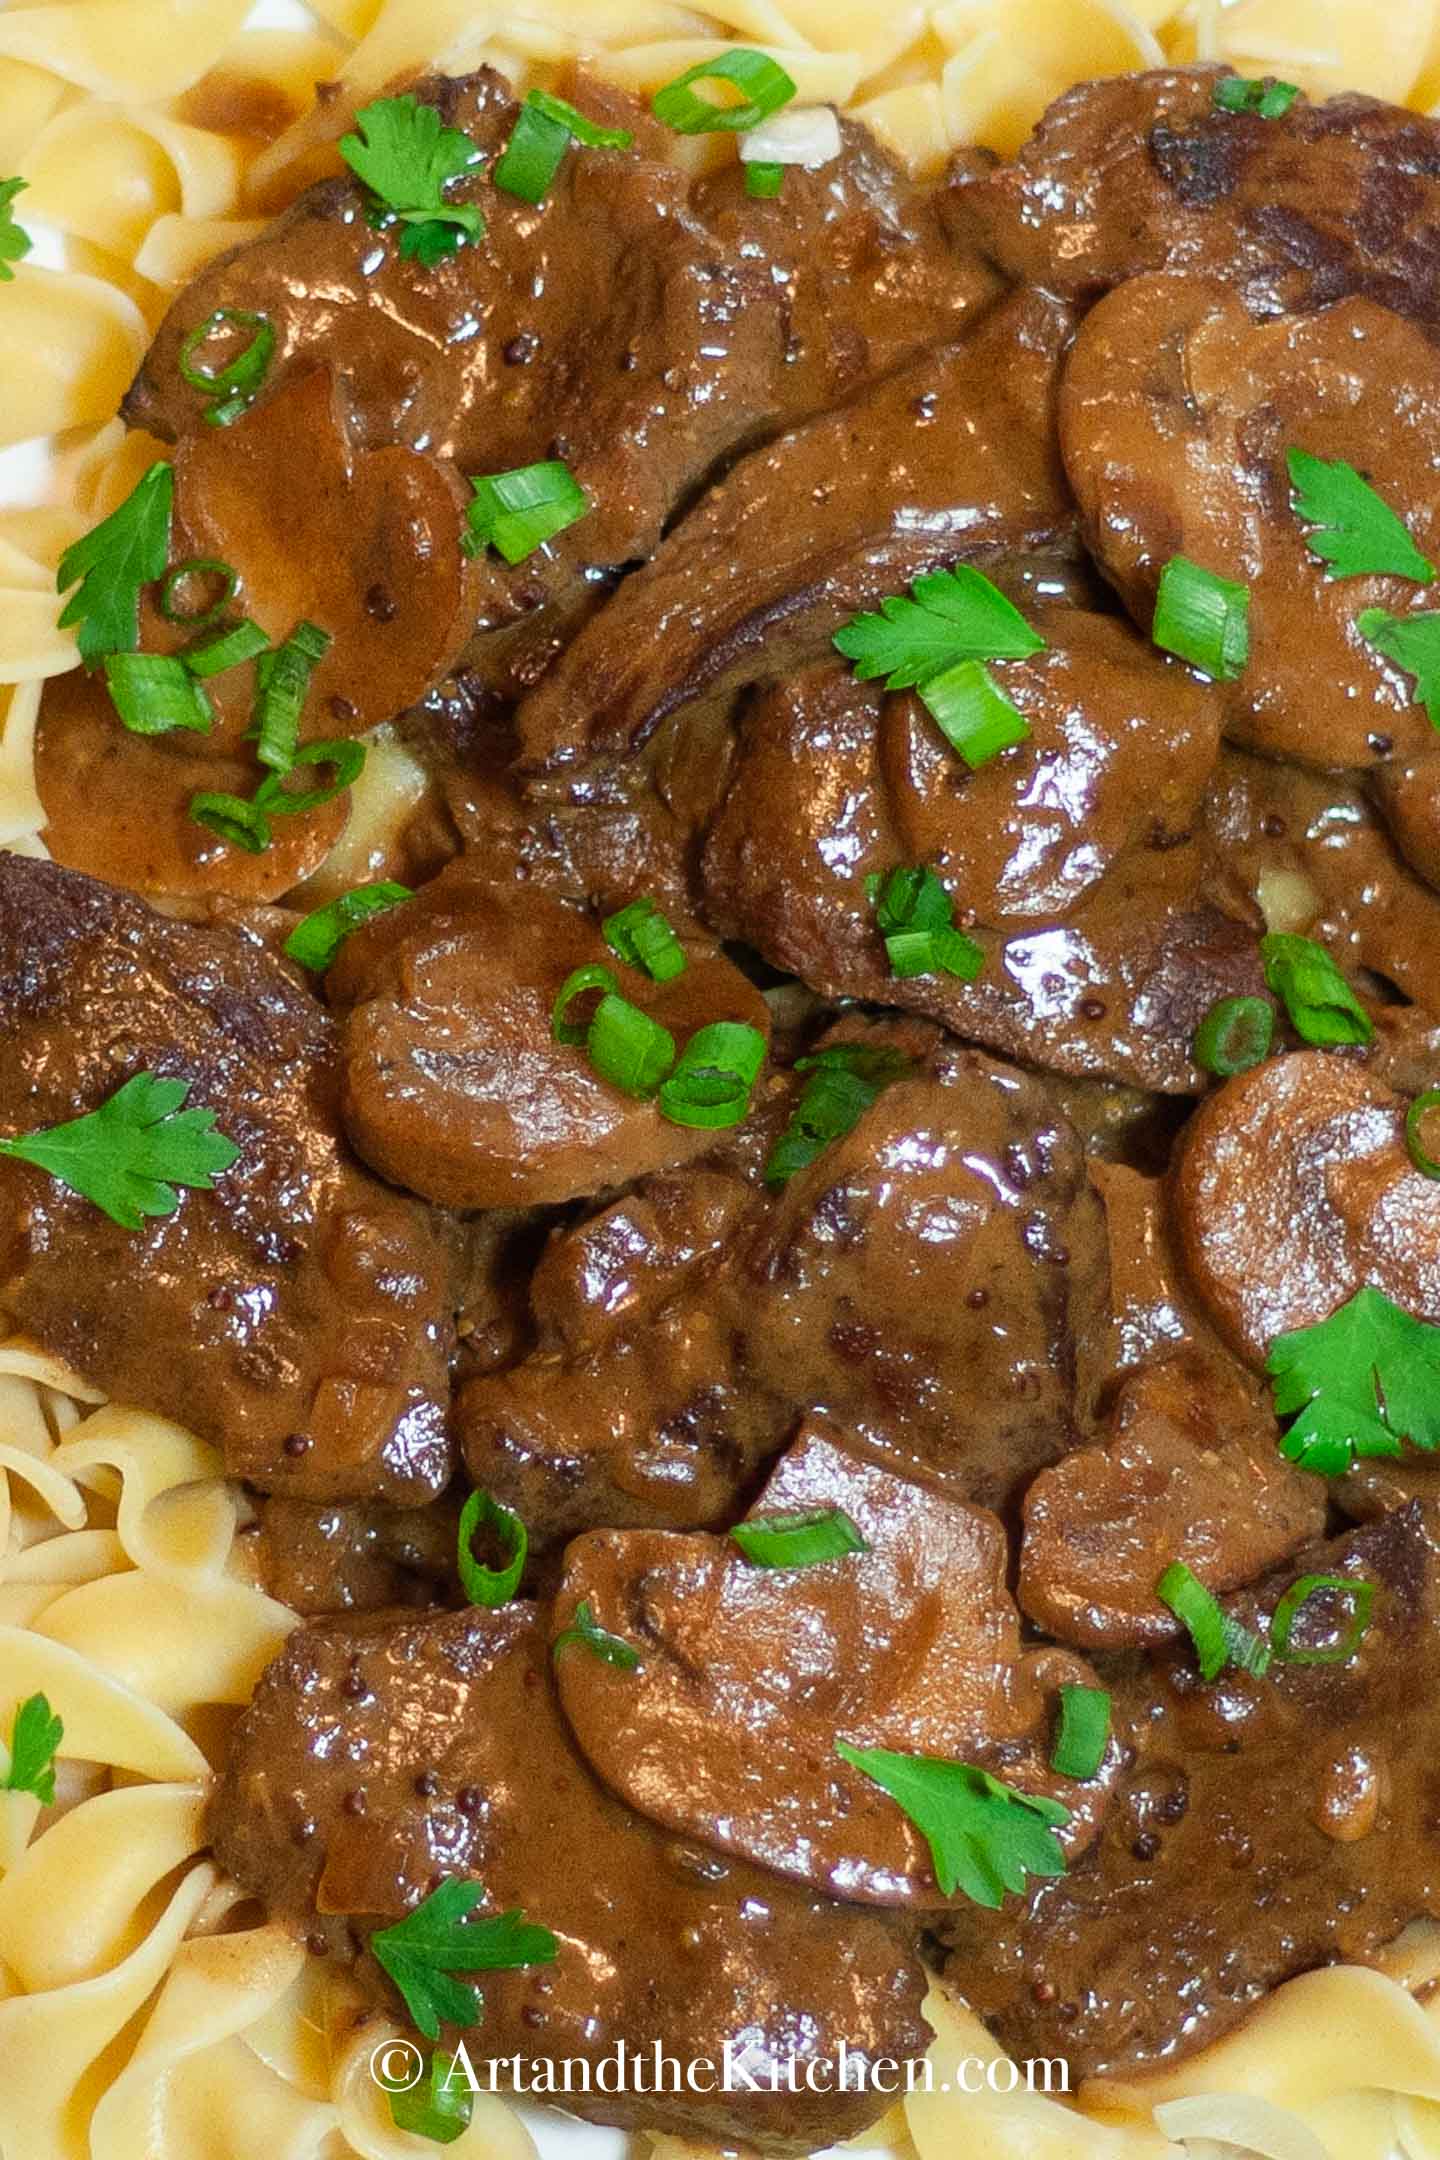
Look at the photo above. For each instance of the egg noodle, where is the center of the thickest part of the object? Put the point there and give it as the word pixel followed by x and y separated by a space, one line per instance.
pixel 147 2010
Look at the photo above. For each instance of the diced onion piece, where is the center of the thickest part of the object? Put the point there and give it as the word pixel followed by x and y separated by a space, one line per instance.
pixel 809 136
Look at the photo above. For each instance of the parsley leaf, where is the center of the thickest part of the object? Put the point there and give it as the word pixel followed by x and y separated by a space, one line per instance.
pixel 1413 643
pixel 422 1952
pixel 405 154
pixel 111 563
pixel 14 240
pixel 34 1738
pixel 1361 1382
pixel 130 1154
pixel 984 1837
pixel 950 615
pixel 1356 533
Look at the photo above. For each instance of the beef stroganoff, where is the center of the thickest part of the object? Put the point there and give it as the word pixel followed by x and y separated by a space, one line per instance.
pixel 719 1097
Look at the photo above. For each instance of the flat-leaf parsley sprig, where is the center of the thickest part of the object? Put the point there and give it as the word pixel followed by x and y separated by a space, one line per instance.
pixel 34 1741
pixel 406 156
pixel 1357 1385
pixel 423 1952
pixel 130 1154
pixel 15 242
pixel 984 1837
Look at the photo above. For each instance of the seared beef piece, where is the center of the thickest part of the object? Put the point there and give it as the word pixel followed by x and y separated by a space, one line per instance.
pixel 1293 1189
pixel 1143 173
pixel 1067 857
pixel 368 549
pixel 377 1758
pixel 297 1316
pixel 1317 860
pixel 748 1674
pixel 619 326
pixel 953 457
pixel 934 1280
pixel 454 1084
pixel 1264 1826
pixel 1189 1470
pixel 359 1556
pixel 1176 414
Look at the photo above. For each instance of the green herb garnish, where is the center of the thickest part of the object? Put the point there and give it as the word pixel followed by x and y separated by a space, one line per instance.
pixel 914 916
pixel 762 82
pixel 154 693
pixel 243 641
pixel 14 240
pixel 34 1739
pixel 643 938
pixel 948 616
pixel 231 387
pixel 845 1080
pixel 406 156
pixel 585 1631
pixel 763 181
pixel 1234 1035
pixel 973 713
pixel 542 135
pixel 171 605
pixel 1084 1732
pixel 130 1154
pixel 1219 1641
pixel 422 1952
pixel 315 942
pixel 517 512
pixel 1267 96
pixel 799 1540
pixel 1415 1118
pixel 1202 618
pixel 1357 1385
pixel 110 564
pixel 984 1837
pixel 709 1085
pixel 1361 1597
pixel 1354 532
pixel 487 1585
pixel 1323 1009
pixel 1413 643
pixel 627 1048
pixel 282 683
pixel 438 2108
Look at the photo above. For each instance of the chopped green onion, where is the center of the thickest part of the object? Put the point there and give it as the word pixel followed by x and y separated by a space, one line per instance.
pixel 1235 1034
pixel 972 712
pixel 763 83
pixel 315 942
pixel 517 512
pixel 628 1048
pixel 710 1085
pixel 586 1631
pixel 1415 1118
pixel 845 1080
pixel 913 915
pixel 643 938
pixel 244 641
pixel 1268 97
pixel 485 1585
pixel 1084 1732
pixel 198 566
pixel 154 692
pixel 1322 1006
pixel 439 2107
pixel 1219 1641
pixel 800 1540
pixel 348 759
pixel 243 824
pixel 282 682
pixel 233 386
pixel 577 984
pixel 543 133
pixel 764 181
pixel 1202 618
pixel 1362 1598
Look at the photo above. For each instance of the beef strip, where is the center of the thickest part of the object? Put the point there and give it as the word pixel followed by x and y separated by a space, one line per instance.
pixel 298 1316
pixel 934 1281
pixel 748 1675
pixel 1071 859
pixel 1293 1188
pixel 1143 173
pixel 1262 1827
pixel 952 457
pixel 1176 414
pixel 376 1759
pixel 454 1084
pixel 634 324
